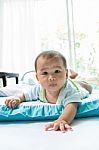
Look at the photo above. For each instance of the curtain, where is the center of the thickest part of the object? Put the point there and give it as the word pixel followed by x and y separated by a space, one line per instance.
pixel 28 27
pixel 17 34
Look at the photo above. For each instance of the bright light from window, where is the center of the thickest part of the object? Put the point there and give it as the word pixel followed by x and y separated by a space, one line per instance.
pixel 86 24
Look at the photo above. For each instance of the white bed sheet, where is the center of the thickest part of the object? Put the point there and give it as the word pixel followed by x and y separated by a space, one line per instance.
pixel 30 135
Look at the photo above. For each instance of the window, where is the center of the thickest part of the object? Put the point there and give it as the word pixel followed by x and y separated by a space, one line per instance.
pixel 86 28
pixel 28 27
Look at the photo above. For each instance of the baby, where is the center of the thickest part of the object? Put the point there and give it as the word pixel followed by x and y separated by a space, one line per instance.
pixel 54 87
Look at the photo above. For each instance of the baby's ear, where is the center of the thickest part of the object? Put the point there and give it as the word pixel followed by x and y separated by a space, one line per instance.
pixel 37 77
pixel 66 73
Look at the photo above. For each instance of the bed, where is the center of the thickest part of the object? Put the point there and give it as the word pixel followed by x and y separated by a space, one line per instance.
pixel 23 127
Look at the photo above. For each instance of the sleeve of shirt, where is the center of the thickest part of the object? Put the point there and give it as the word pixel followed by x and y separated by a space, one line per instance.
pixel 32 92
pixel 72 94
pixel 72 98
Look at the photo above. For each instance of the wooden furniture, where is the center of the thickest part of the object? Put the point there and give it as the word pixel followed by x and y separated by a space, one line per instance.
pixel 5 75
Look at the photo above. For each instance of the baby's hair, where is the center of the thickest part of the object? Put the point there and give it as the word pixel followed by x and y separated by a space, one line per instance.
pixel 50 54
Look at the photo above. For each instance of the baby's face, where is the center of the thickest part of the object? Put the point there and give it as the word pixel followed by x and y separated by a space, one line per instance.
pixel 51 74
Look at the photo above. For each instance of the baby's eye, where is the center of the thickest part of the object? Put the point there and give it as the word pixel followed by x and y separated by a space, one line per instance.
pixel 45 73
pixel 57 71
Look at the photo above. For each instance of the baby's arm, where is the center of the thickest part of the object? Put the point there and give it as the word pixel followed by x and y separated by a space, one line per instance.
pixel 13 101
pixel 65 119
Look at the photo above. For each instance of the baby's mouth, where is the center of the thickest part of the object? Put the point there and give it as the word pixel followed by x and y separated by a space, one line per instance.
pixel 52 85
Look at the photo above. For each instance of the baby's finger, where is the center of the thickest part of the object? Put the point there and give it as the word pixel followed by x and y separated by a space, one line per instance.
pixel 48 126
pixel 7 101
pixel 62 127
pixel 10 103
pixel 14 103
pixel 56 126
pixel 68 127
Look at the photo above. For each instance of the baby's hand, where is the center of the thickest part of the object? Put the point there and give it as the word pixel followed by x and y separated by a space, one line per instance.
pixel 12 102
pixel 58 125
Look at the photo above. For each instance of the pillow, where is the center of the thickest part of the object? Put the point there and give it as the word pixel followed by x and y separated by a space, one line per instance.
pixel 37 110
pixel 90 106
pixel 13 90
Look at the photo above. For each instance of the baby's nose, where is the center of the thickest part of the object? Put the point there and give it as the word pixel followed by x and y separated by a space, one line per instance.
pixel 51 78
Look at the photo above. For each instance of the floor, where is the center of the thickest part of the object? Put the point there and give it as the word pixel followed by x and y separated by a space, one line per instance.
pixel 30 135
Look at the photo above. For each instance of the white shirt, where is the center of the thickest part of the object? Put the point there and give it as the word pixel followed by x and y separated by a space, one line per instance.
pixel 69 93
